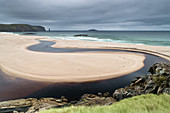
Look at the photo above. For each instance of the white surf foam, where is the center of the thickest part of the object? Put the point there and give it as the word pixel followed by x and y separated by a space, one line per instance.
pixel 9 33
pixel 82 38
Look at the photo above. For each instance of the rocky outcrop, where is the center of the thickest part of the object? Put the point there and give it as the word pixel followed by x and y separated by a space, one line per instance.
pixel 29 33
pixel 20 28
pixel 82 35
pixel 160 69
pixel 157 82
pixel 31 105
pixel 91 99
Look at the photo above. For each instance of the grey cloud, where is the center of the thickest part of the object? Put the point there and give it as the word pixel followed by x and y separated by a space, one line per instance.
pixel 85 14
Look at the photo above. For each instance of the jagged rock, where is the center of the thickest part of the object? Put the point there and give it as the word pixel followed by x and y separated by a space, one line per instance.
pixel 30 105
pixel 148 77
pixel 20 105
pixel 92 96
pixel 134 80
pixel 107 94
pixel 85 96
pixel 122 93
pixel 166 91
pixel 130 93
pixel 168 81
pixel 150 84
pixel 15 112
pixel 162 87
pixel 139 90
pixel 62 97
pixel 99 94
pixel 157 83
pixel 87 100
pixel 132 84
pixel 151 90
pixel 82 35
pixel 150 87
pixel 139 81
pixel 59 100
pixel 118 95
pixel 73 102
pixel 65 100
pixel 41 106
pixel 160 69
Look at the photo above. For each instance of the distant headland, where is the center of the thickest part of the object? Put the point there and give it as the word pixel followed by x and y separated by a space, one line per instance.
pixel 20 28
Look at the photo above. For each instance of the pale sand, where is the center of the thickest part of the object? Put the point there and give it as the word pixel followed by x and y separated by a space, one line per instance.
pixel 16 60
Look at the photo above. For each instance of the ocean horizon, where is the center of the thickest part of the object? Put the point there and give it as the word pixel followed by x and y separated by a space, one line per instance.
pixel 154 38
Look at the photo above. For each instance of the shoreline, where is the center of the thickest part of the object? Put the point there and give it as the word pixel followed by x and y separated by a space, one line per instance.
pixel 21 45
pixel 58 38
pixel 138 86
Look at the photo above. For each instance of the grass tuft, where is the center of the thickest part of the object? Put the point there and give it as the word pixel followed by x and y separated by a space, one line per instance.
pixel 148 103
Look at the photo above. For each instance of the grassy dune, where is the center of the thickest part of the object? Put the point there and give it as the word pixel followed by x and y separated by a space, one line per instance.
pixel 148 103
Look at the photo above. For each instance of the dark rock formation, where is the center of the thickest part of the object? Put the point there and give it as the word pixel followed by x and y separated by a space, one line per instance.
pixel 91 99
pixel 20 28
pixel 160 69
pixel 29 33
pixel 157 82
pixel 31 105
pixel 82 35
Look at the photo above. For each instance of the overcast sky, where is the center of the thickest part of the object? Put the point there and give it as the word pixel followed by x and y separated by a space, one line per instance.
pixel 87 14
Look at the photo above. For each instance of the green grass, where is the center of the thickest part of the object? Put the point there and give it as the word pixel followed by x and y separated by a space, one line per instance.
pixel 148 103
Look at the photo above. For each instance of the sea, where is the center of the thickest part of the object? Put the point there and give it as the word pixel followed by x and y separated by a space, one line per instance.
pixel 155 38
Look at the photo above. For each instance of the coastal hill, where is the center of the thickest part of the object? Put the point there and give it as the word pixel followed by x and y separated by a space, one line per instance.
pixel 20 28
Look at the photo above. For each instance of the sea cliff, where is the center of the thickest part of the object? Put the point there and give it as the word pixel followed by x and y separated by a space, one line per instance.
pixel 20 28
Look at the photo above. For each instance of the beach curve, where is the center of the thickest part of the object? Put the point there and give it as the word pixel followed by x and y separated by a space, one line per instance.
pixel 63 67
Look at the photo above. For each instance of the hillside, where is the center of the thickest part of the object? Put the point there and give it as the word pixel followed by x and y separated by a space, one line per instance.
pixel 20 28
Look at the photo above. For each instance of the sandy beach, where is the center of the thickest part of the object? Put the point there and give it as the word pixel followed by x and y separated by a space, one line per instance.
pixel 17 61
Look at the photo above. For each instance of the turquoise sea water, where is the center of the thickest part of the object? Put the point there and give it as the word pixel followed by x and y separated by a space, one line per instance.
pixel 156 38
